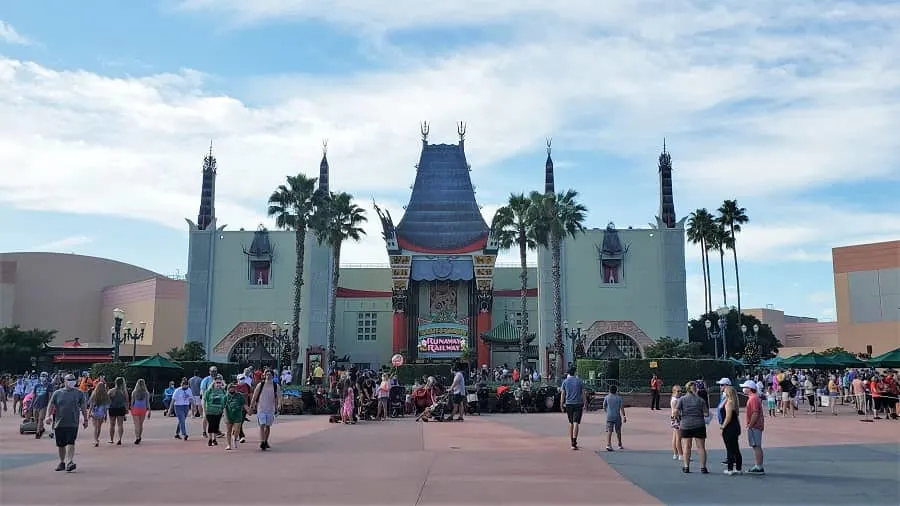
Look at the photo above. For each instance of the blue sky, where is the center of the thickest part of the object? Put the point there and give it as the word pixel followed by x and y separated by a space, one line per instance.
pixel 109 107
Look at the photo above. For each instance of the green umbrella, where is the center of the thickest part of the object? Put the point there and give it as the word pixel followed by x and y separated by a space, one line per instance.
pixel 772 362
pixel 889 359
pixel 811 361
pixel 846 359
pixel 156 362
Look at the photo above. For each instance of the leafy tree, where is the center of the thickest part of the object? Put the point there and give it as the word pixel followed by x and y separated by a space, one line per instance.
pixel 512 227
pixel 670 347
pixel 731 217
pixel 17 346
pixel 766 341
pixel 834 350
pixel 191 352
pixel 293 205
pixel 556 216
pixel 337 220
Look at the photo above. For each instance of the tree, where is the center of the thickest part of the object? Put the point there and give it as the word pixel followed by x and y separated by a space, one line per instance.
pixel 337 220
pixel 293 206
pixel 719 240
pixel 670 347
pixel 835 350
pixel 190 352
pixel 732 216
pixel 555 217
pixel 511 227
pixel 766 341
pixel 17 347
pixel 700 225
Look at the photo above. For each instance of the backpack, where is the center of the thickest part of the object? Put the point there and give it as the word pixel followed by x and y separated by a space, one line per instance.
pixel 258 391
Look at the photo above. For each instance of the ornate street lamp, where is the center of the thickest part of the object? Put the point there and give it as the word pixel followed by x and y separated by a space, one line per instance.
pixel 134 334
pixel 131 333
pixel 719 333
pixel 573 335
pixel 280 335
pixel 116 332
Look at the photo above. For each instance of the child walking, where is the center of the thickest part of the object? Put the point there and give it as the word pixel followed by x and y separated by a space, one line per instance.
pixel 349 404
pixel 771 401
pixel 235 407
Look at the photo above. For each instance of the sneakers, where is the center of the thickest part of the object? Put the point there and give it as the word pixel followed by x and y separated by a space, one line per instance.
pixel 756 470
pixel 609 448
pixel 736 472
pixel 675 456
pixel 61 466
pixel 70 467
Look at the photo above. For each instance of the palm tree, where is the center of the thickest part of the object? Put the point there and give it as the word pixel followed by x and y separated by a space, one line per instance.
pixel 699 224
pixel 720 240
pixel 510 227
pixel 732 216
pixel 293 206
pixel 337 220
pixel 554 217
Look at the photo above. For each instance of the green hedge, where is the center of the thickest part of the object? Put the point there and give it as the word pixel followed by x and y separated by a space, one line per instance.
pixel 602 369
pixel 674 370
pixel 407 374
pixel 158 379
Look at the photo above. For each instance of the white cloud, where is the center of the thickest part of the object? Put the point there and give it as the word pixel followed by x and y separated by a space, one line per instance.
pixel 816 110
pixel 9 34
pixel 63 245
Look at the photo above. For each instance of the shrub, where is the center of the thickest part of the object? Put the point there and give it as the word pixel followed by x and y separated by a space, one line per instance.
pixel 407 374
pixel 601 369
pixel 674 370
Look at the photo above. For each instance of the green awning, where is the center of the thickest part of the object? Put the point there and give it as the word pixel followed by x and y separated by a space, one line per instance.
pixel 156 362
pixel 505 333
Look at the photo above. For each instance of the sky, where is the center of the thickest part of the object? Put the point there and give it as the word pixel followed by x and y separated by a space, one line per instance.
pixel 107 109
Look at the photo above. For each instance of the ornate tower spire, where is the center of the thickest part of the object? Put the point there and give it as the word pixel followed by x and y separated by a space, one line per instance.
pixel 549 187
pixel 666 199
pixel 323 169
pixel 207 191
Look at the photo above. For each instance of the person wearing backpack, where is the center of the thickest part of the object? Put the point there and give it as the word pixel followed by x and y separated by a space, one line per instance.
pixel 266 403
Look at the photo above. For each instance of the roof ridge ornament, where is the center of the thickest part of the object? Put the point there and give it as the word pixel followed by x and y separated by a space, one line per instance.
pixel 549 145
pixel 461 130
pixel 324 147
pixel 425 128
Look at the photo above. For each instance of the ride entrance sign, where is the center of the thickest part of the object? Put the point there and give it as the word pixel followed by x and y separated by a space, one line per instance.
pixel 442 339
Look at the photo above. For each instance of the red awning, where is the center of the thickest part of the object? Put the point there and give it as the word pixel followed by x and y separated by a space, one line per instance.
pixel 82 358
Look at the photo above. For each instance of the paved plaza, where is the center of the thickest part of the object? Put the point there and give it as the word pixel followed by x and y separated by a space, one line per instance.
pixel 493 459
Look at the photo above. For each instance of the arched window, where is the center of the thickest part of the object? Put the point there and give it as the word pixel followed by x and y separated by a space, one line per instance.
pixel 245 346
pixel 623 343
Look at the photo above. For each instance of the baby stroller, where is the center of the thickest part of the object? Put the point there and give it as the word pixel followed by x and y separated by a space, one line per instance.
pixel 396 401
pixel 29 425
pixel 437 411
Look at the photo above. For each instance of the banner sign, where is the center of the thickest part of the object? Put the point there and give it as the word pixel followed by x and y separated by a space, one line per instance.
pixel 443 339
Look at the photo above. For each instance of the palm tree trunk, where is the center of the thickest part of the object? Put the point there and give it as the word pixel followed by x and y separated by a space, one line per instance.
pixel 705 276
pixel 709 305
pixel 722 261
pixel 737 274
pixel 556 253
pixel 523 275
pixel 300 237
pixel 332 296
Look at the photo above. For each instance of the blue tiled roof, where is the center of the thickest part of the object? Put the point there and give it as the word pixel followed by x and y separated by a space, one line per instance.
pixel 442 213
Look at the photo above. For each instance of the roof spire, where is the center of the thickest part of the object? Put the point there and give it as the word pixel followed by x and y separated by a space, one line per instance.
pixel 207 191
pixel 666 197
pixel 424 127
pixel 664 145
pixel 461 130
pixel 323 169
pixel 549 187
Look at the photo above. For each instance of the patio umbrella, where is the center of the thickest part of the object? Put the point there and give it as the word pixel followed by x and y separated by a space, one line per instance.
pixel 736 361
pixel 772 362
pixel 811 361
pixel 156 362
pixel 846 359
pixel 889 359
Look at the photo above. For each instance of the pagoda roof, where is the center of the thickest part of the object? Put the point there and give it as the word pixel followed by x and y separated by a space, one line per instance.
pixel 505 333
pixel 442 215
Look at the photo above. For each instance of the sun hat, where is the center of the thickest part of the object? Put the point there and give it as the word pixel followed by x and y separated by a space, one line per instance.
pixel 724 382
pixel 749 384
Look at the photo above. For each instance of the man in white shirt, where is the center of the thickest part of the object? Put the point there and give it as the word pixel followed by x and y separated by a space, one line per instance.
pixel 458 391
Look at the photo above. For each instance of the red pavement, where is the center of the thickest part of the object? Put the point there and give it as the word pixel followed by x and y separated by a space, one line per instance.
pixel 495 459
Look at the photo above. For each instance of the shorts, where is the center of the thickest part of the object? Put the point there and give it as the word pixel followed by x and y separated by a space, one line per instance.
pixel 754 438
pixel 614 426
pixel 234 421
pixel 197 402
pixel 265 419
pixel 459 399
pixel 785 396
pixel 117 412
pixel 574 412
pixel 212 423
pixel 697 433
pixel 673 422
pixel 65 436
pixel 138 411
pixel 383 402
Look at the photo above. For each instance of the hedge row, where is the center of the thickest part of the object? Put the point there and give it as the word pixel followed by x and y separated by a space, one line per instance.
pixel 158 379
pixel 600 369
pixel 674 370
pixel 408 374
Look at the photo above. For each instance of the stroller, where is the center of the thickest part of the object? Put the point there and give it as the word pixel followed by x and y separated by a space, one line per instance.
pixel 396 401
pixel 29 424
pixel 436 411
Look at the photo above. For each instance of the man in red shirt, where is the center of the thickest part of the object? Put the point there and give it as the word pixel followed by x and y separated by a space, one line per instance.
pixel 755 425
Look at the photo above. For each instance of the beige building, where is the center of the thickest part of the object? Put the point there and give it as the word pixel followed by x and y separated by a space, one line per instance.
pixel 867 296
pixel 75 295
pixel 797 334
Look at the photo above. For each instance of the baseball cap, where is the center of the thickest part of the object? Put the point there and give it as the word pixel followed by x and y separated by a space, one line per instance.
pixel 749 384
pixel 724 382
pixel 241 377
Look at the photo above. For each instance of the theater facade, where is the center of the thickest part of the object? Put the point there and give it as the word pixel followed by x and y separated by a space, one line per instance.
pixel 442 295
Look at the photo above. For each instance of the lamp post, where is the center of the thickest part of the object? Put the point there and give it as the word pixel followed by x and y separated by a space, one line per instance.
pixel 718 333
pixel 709 335
pixel 134 334
pixel 280 335
pixel 573 335
pixel 116 332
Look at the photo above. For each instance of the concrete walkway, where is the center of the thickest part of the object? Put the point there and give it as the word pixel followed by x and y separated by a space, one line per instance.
pixel 494 459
